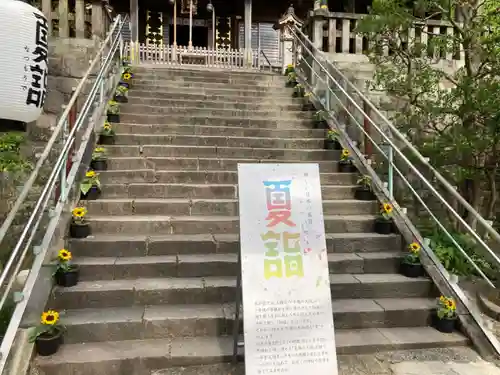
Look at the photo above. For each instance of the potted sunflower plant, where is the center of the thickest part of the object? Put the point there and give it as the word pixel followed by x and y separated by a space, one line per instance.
pixel 79 227
pixel 289 68
pixel 90 188
pixel 298 91
pixel 48 335
pixel 99 159
pixel 307 105
pixel 107 135
pixel 66 273
pixel 410 264
pixel 383 222
pixel 291 80
pixel 121 94
pixel 363 191
pixel 445 317
pixel 113 111
pixel 332 140
pixel 345 164
pixel 319 119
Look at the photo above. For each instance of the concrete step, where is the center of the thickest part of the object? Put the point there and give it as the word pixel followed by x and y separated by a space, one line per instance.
pixel 201 177
pixel 257 122
pixel 204 265
pixel 219 95
pixel 140 357
pixel 134 99
pixel 129 245
pixel 205 130
pixel 163 321
pixel 202 191
pixel 222 151
pixel 200 164
pixel 210 224
pixel 170 73
pixel 181 77
pixel 208 290
pixel 208 111
pixel 225 207
pixel 265 88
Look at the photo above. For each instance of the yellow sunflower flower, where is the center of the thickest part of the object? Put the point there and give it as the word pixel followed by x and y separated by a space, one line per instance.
pixel 442 298
pixel 50 318
pixel 106 126
pixel 324 7
pixel 90 174
pixel 100 149
pixel 387 208
pixel 64 255
pixel 450 304
pixel 307 94
pixel 127 76
pixel 345 152
pixel 414 247
pixel 79 212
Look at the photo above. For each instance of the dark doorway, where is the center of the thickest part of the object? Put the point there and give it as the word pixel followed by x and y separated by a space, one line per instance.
pixel 200 36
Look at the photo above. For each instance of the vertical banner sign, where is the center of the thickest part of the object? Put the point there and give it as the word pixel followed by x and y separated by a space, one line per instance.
pixel 287 309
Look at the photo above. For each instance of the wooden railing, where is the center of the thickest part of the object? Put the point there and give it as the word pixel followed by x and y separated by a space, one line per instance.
pixel 84 19
pixel 338 34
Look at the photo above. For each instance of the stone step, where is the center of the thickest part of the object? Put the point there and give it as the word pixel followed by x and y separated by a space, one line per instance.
pixel 134 99
pixel 201 177
pixel 128 245
pixel 140 357
pixel 202 73
pixel 210 224
pixel 188 207
pixel 257 122
pixel 208 111
pixel 180 77
pixel 162 321
pixel 205 265
pixel 205 130
pixel 155 83
pixel 200 164
pixel 288 153
pixel 208 290
pixel 223 96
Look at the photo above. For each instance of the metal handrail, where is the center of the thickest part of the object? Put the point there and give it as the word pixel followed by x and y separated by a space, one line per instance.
pixel 267 60
pixel 313 52
pixel 58 177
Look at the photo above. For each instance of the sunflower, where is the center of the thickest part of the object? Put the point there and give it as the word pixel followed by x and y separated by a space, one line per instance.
pixel 414 247
pixel 289 66
pixel 450 304
pixel 50 318
pixel 324 7
pixel 106 126
pixel 307 94
pixel 90 174
pixel 64 255
pixel 442 298
pixel 99 149
pixel 127 76
pixel 345 153
pixel 387 208
pixel 79 212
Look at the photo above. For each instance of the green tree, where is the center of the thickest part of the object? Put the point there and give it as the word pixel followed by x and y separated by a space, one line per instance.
pixel 451 115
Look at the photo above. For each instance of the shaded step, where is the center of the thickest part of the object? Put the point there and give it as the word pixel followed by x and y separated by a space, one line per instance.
pixel 147 130
pixel 256 122
pixel 180 77
pixel 236 151
pixel 202 177
pixel 203 164
pixel 112 357
pixel 159 84
pixel 202 265
pixel 162 321
pixel 139 245
pixel 210 224
pixel 216 191
pixel 169 72
pixel 180 103
pixel 207 290
pixel 187 207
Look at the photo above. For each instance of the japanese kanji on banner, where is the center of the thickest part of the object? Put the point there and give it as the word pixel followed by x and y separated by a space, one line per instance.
pixel 287 310
pixel 23 61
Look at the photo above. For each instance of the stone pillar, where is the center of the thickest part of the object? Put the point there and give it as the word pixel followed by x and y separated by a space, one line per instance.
pixel 287 21
pixel 248 33
pixel 97 20
pixel 134 20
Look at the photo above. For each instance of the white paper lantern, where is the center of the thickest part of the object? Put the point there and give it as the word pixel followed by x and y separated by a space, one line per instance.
pixel 23 61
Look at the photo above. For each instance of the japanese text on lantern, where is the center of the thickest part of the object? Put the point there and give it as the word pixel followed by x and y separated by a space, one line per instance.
pixel 283 256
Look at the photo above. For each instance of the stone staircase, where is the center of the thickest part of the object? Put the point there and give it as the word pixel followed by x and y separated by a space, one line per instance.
pixel 159 273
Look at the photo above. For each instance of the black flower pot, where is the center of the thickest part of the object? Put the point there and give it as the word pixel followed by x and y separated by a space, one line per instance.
pixel 47 344
pixel 291 84
pixel 363 193
pixel 79 230
pixel 383 226
pixel 113 117
pixel 121 99
pixel 443 325
pixel 105 139
pixel 67 279
pixel 321 124
pixel 411 270
pixel 99 165
pixel 92 194
pixel 308 106
pixel 332 144
pixel 346 167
